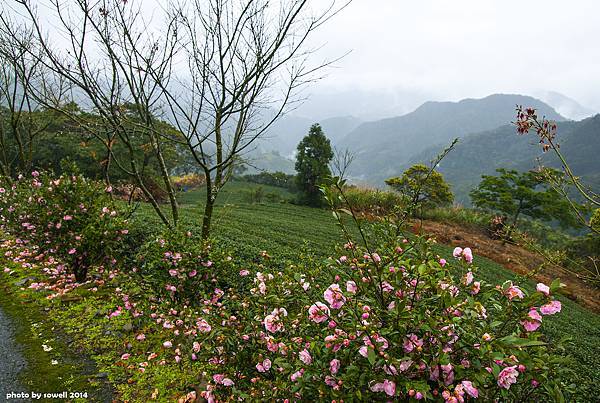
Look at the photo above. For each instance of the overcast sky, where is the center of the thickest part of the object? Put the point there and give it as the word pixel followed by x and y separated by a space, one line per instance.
pixel 407 52
pixel 452 49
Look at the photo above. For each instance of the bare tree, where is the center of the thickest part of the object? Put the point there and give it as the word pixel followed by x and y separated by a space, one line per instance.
pixel 246 62
pixel 21 120
pixel 107 59
pixel 342 159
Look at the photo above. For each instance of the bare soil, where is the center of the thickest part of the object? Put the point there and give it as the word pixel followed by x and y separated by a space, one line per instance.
pixel 515 258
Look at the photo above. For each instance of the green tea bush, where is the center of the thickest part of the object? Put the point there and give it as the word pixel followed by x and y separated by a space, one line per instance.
pixel 278 179
pixel 68 217
pixel 373 201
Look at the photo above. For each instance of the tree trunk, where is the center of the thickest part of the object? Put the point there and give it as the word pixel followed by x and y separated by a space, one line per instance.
pixel 208 211
pixel 514 223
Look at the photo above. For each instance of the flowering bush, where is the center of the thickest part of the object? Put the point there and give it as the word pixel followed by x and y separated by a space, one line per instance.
pixel 400 323
pixel 67 217
pixel 374 324
pixel 178 265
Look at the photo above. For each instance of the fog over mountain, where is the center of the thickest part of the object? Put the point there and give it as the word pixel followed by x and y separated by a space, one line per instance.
pixel 566 106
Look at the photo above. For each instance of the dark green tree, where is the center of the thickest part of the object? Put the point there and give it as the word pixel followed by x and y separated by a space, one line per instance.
pixel 312 164
pixel 517 194
pixel 422 187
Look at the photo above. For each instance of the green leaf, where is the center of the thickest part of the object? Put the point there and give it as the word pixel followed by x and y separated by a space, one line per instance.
pixel 519 342
pixel 372 357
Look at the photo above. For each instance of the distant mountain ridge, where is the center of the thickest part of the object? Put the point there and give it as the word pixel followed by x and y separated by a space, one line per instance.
pixel 482 153
pixel 383 146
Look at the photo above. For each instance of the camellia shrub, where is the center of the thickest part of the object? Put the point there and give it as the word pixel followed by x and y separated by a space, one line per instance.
pixel 68 217
pixel 384 323
pixel 398 323
pixel 179 266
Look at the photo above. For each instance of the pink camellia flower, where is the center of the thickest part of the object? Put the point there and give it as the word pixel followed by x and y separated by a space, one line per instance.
pixel 476 288
pixel 461 253
pixel 387 287
pixel 531 325
pixel 543 288
pixel 333 295
pixel 273 322
pixel 305 357
pixel 334 366
pixel 533 322
pixel 167 344
pixel 376 258
pixel 468 278
pixel 173 272
pixel 551 308
pixel 468 255
pixel 222 380
pixel 507 377
pixel 72 251
pixel 35 174
pixel 533 314
pixel 411 342
pixel 387 386
pixel 514 292
pixel 264 366
pixel 470 389
pixel 351 287
pixel 448 374
pixel 203 326
pixel 244 272
pixel 140 337
pixel 296 375
pixel 442 262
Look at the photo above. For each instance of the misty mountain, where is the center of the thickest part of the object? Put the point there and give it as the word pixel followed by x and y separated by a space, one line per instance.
pixel 337 128
pixel 482 153
pixel 274 151
pixel 366 104
pixel 566 106
pixel 383 147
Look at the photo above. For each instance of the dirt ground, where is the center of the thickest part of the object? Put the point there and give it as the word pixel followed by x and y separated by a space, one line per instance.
pixel 513 257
